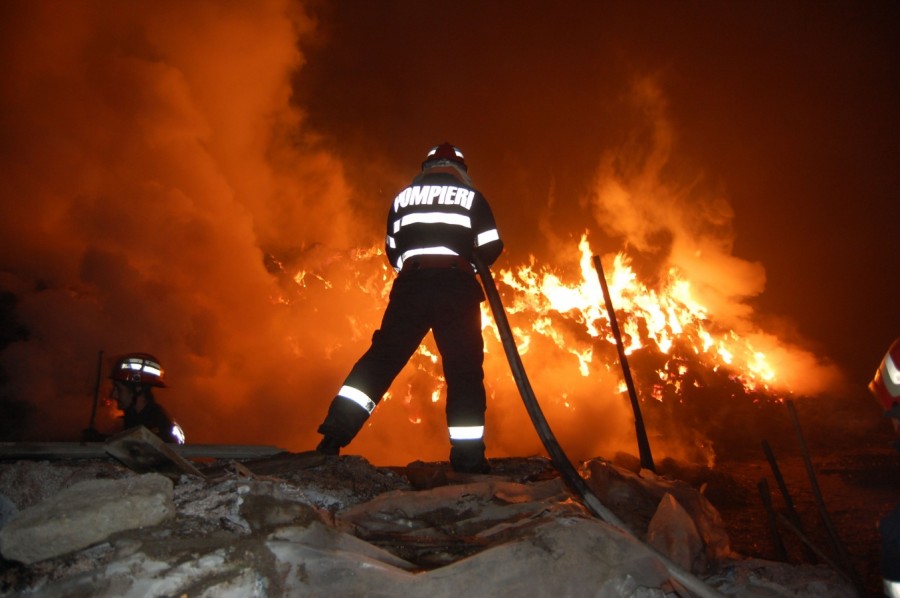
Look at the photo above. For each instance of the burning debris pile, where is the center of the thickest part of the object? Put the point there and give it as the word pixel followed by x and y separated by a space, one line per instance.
pixel 307 524
pixel 704 376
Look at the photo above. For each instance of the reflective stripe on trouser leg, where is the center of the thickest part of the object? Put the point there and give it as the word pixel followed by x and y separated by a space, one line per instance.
pixel 348 412
pixel 461 346
pixel 466 433
pixel 358 397
pixel 392 345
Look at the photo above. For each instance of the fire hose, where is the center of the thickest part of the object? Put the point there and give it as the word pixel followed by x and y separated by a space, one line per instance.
pixel 557 456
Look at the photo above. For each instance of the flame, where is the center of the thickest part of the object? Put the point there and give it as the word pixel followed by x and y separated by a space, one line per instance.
pixel 546 307
pixel 678 353
pixel 656 318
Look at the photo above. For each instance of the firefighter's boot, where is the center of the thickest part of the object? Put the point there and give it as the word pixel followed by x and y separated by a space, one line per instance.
pixel 344 420
pixel 467 456
pixel 329 446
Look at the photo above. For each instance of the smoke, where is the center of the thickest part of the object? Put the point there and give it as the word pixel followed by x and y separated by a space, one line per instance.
pixel 655 214
pixel 672 224
pixel 152 159
pixel 204 181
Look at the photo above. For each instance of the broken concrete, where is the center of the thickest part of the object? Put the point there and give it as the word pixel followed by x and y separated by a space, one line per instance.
pixel 672 532
pixel 307 525
pixel 635 498
pixel 84 514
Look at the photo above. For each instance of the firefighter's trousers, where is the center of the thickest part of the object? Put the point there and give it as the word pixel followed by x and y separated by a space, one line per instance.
pixel 445 301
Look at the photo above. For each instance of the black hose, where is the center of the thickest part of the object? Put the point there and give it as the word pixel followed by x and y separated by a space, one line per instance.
pixel 557 456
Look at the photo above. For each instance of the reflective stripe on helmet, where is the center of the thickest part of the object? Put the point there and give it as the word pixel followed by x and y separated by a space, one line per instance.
pixel 446 147
pixel 444 152
pixel 138 368
pixel 358 397
pixel 142 365
pixel 466 432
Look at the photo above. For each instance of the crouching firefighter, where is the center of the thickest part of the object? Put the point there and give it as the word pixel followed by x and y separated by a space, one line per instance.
pixel 134 376
pixel 886 388
pixel 433 226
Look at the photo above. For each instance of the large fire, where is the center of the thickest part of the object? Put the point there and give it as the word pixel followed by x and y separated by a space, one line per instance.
pixel 658 318
pixel 678 352
pixel 139 224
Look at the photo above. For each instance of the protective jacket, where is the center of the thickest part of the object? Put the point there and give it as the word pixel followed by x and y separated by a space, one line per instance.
pixel 438 214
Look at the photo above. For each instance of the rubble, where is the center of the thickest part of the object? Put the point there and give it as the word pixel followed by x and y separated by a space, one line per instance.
pixel 85 514
pixel 673 532
pixel 305 524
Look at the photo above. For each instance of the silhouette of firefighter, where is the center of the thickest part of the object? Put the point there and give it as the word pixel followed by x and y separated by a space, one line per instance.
pixel 433 227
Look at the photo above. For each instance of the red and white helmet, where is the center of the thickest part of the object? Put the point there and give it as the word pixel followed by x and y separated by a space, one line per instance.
pixel 445 151
pixel 138 368
pixel 886 383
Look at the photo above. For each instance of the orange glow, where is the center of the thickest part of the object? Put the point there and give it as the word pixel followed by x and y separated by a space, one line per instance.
pixel 207 181
pixel 655 318
pixel 563 333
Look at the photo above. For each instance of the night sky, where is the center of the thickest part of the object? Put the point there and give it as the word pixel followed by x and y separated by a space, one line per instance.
pixel 790 113
pixel 158 159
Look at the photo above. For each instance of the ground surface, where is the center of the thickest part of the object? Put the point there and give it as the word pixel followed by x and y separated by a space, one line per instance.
pixel 858 477
pixel 850 448
pixel 858 485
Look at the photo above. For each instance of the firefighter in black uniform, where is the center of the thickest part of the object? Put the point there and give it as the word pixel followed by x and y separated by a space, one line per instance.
pixel 433 227
pixel 134 376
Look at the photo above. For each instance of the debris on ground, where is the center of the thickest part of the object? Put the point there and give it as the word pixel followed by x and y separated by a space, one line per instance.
pixel 308 524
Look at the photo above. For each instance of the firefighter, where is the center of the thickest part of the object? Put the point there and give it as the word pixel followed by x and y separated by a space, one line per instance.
pixel 886 388
pixel 134 376
pixel 433 226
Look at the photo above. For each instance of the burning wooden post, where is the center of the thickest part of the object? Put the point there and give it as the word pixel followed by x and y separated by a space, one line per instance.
pixel 643 442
